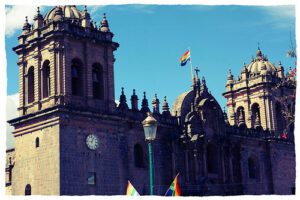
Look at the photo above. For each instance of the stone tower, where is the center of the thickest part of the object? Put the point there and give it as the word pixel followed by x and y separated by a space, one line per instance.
pixel 255 98
pixel 66 80
pixel 58 65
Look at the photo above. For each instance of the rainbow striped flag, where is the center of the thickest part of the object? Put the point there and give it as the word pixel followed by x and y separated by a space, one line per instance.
pixel 131 191
pixel 174 189
pixel 186 57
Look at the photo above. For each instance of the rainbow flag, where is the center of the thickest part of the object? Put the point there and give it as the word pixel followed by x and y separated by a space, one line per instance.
pixel 131 191
pixel 174 189
pixel 186 57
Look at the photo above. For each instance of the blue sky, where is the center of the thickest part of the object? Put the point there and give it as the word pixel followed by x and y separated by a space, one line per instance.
pixel 152 39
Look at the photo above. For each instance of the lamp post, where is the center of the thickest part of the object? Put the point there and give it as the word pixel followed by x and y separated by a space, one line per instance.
pixel 150 126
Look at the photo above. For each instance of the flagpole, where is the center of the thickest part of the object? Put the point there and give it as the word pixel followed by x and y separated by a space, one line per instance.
pixel 191 65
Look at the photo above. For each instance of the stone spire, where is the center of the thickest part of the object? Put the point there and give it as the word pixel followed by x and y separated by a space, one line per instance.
pixel 104 24
pixel 38 19
pixel 86 18
pixel 204 87
pixel 134 101
pixel 123 102
pixel 241 119
pixel 145 107
pixel 155 104
pixel 229 78
pixel 257 121
pixel 244 72
pixel 26 26
pixel 165 107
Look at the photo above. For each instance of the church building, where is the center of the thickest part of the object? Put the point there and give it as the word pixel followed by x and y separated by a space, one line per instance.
pixel 71 138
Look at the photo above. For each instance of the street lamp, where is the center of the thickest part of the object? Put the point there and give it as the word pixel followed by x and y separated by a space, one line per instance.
pixel 150 126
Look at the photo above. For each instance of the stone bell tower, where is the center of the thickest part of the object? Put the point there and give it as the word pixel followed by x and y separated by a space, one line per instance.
pixel 255 100
pixel 65 59
pixel 66 83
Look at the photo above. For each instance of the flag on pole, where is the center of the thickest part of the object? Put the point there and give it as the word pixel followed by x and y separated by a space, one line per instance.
pixel 174 189
pixel 131 191
pixel 186 57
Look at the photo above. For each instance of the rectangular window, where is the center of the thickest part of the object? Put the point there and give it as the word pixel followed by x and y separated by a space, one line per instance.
pixel 91 178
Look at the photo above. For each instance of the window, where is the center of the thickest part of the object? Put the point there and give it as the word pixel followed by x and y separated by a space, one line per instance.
pixel 252 169
pixel 28 190
pixel 212 159
pixel 76 70
pixel 46 79
pixel 97 81
pixel 30 85
pixel 37 142
pixel 138 156
pixel 91 178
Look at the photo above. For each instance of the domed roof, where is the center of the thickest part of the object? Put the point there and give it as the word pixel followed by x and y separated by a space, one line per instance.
pixel 67 12
pixel 182 104
pixel 261 65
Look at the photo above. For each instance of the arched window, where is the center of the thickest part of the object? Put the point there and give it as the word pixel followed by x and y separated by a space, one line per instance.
pixel 252 168
pixel 37 142
pixel 138 156
pixel 255 115
pixel 46 79
pixel 212 158
pixel 97 77
pixel 30 85
pixel 279 118
pixel 28 190
pixel 77 82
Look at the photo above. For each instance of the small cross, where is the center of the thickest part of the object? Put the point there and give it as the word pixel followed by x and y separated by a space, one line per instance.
pixel 258 45
pixel 197 71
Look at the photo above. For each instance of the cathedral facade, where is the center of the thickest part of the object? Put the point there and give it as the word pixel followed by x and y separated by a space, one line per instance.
pixel 71 138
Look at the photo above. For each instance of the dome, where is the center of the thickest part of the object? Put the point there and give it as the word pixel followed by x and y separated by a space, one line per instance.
pixel 66 12
pixel 259 64
pixel 182 104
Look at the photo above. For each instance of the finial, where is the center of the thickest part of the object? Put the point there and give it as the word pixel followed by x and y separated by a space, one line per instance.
pixel 95 24
pixel 279 62
pixel 26 19
pixel 145 107
pixel 197 71
pixel 123 102
pixel 38 10
pixel 85 9
pixel 133 91
pixel 258 46
pixel 104 15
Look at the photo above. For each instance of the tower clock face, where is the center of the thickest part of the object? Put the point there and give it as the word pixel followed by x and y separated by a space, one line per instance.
pixel 92 142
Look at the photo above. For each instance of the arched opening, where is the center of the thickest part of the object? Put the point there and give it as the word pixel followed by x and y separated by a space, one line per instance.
pixel 77 76
pixel 138 156
pixel 279 118
pixel 28 190
pixel 97 77
pixel 255 117
pixel 30 85
pixel 241 116
pixel 212 158
pixel 252 168
pixel 46 78
pixel 37 142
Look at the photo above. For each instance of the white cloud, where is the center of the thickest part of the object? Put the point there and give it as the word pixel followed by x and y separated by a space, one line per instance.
pixel 280 16
pixel 15 18
pixel 12 102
